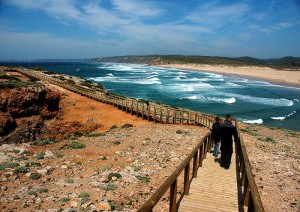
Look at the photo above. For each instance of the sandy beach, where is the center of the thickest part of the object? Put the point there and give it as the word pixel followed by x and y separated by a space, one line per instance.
pixel 285 77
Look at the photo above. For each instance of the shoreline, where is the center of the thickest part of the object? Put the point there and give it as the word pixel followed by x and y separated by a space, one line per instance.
pixel 284 78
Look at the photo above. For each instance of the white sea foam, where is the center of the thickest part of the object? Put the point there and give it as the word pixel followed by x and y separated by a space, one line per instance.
pixel 225 100
pixel 282 102
pixel 255 121
pixel 284 117
pixel 190 97
pixel 110 74
pixel 296 100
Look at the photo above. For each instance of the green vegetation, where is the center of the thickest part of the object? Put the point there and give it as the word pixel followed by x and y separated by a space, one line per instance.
pixel 8 165
pixel 116 142
pixel 85 196
pixel 268 139
pixel 37 68
pixel 35 176
pixel 127 126
pixel 40 155
pixel 117 175
pixel 65 199
pixel 32 164
pixel 250 129
pixel 114 127
pixel 185 132
pixel 20 169
pixel 42 190
pixel 95 134
pixel 74 145
pixel 143 178
pixel 69 180
pixel 32 193
pixel 42 142
pixel 16 151
pixel 109 187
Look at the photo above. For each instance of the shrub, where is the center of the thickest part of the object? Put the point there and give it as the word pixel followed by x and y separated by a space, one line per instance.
pixel 40 155
pixel 42 190
pixel 85 196
pixel 16 151
pixel 109 187
pixel 74 145
pixel 95 134
pixel 69 180
pixel 35 176
pixel 114 127
pixel 65 199
pixel 30 164
pixel 143 178
pixel 42 142
pixel 20 169
pixel 8 165
pixel 268 139
pixel 111 175
pixel 32 193
pixel 127 126
pixel 116 142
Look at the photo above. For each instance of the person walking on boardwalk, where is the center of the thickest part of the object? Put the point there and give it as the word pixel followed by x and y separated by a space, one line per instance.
pixel 228 132
pixel 216 136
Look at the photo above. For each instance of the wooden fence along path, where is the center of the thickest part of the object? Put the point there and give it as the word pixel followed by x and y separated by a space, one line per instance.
pixel 215 189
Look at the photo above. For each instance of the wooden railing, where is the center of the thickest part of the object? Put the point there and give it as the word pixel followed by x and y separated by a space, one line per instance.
pixel 197 155
pixel 165 114
pixel 154 112
pixel 251 197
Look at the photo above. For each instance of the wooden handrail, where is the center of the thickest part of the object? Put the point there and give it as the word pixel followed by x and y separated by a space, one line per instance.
pixel 250 192
pixel 171 181
pixel 251 195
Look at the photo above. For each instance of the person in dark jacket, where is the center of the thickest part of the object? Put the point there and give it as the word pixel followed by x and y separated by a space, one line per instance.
pixel 216 136
pixel 228 132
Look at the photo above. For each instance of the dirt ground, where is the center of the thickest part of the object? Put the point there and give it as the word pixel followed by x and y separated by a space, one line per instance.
pixel 120 167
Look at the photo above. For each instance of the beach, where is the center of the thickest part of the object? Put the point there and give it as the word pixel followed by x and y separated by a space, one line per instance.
pixel 286 77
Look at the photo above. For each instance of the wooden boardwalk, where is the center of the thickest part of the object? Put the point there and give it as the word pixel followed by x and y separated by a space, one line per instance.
pixel 214 189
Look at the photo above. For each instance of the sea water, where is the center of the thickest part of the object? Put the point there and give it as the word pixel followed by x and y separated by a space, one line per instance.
pixel 250 101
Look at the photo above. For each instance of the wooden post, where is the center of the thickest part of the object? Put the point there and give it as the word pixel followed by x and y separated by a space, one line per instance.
pixel 175 117
pixel 189 118
pixel 154 115
pixel 246 192
pixel 160 115
pixel 167 117
pixel 195 163
pixel 137 109
pixel 205 149
pixel 148 108
pixel 201 155
pixel 250 203
pixel 131 107
pixel 187 179
pixel 143 111
pixel 181 113
pixel 173 196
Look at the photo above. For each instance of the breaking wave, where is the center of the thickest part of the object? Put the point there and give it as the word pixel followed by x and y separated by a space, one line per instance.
pixel 255 121
pixel 284 117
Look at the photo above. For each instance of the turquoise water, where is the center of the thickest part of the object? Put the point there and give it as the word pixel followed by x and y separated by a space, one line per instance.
pixel 250 101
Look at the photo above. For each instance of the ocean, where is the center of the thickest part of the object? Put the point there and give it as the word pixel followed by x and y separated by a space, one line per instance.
pixel 249 101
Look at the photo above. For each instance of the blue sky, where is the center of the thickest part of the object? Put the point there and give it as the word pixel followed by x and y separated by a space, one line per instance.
pixel 48 29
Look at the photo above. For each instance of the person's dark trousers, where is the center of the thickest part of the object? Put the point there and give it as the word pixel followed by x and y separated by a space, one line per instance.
pixel 226 158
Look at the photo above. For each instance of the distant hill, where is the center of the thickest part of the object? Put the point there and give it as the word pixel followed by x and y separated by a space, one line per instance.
pixel 284 62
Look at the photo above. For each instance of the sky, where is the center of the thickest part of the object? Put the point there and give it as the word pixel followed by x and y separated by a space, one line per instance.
pixel 81 29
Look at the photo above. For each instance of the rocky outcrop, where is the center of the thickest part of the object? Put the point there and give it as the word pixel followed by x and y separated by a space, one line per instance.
pixel 23 112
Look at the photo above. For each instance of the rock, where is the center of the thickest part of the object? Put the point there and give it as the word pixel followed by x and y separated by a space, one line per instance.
pixel 64 167
pixel 49 154
pixel 103 206
pixel 42 171
pixel 74 203
pixel 85 205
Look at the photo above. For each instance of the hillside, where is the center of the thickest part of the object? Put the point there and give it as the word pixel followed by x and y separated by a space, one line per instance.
pixel 285 62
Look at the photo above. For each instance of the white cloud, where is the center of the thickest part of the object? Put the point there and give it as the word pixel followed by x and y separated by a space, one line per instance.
pixel 217 16
pixel 137 8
